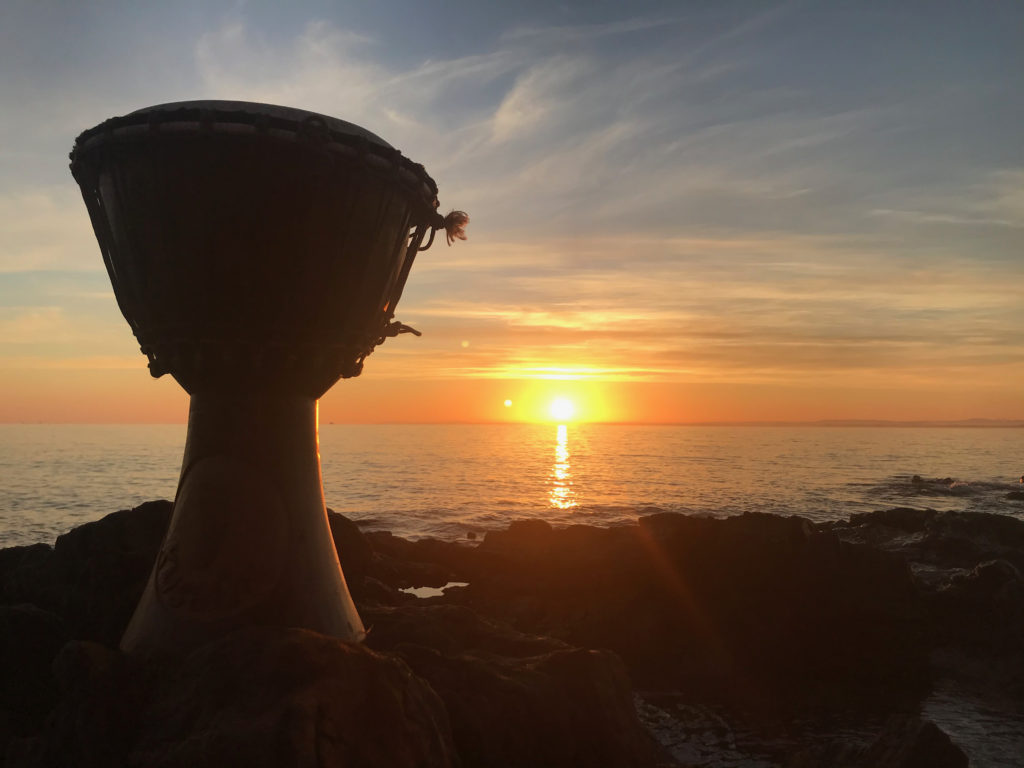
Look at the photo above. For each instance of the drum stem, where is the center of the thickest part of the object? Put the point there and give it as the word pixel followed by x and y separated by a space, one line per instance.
pixel 249 541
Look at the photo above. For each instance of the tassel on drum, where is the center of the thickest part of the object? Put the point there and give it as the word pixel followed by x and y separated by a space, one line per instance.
pixel 455 225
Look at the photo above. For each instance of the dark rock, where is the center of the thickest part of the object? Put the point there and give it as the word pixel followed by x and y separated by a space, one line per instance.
pixel 517 699
pixel 427 563
pixel 906 742
pixel 747 603
pixel 258 697
pixel 456 557
pixel 377 564
pixel 130 536
pixel 97 717
pixel 1015 495
pixel 982 607
pixel 271 697
pixel 103 568
pixel 993 579
pixel 533 537
pixel 907 519
pixel 354 552
pixel 29 639
pixel 984 669
pixel 27 575
pixel 565 708
pixel 914 743
pixel 939 539
pixel 451 630
pixel 371 591
pixel 94 574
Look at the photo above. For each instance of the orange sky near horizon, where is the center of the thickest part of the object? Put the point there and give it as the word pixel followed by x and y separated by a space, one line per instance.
pixel 131 396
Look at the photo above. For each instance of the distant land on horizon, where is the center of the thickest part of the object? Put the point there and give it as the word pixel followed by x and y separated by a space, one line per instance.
pixel 993 423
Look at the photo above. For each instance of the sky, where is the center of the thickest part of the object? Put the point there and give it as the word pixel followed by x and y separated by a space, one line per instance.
pixel 681 211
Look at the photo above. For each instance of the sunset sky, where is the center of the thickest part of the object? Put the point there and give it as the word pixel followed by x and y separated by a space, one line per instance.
pixel 681 211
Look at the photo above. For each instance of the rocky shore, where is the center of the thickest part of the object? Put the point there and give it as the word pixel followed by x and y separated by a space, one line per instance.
pixel 678 641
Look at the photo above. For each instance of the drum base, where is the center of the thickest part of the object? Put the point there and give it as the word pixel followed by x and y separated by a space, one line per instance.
pixel 248 542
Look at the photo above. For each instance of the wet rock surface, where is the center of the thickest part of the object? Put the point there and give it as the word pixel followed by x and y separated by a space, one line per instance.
pixel 750 641
pixel 906 742
pixel 941 539
pixel 967 571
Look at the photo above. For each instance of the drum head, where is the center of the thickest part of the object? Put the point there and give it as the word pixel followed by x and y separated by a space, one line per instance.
pixel 246 111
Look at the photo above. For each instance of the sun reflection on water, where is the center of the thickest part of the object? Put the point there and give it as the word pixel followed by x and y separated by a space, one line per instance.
pixel 562 494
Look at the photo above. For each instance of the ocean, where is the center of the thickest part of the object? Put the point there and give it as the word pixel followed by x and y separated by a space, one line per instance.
pixel 458 481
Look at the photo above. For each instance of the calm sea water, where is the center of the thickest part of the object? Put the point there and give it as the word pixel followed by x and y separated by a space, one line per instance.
pixel 451 480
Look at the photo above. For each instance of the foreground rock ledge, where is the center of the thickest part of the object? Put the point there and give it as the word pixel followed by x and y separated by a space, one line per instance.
pixel 773 615
pixel 258 697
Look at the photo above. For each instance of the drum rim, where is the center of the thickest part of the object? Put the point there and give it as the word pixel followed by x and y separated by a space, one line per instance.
pixel 231 106
pixel 278 122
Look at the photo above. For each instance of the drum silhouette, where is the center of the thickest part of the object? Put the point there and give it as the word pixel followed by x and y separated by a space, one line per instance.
pixel 258 253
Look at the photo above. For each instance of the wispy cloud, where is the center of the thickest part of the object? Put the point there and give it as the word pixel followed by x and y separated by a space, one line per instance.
pixel 32 325
pixel 997 200
pixel 69 363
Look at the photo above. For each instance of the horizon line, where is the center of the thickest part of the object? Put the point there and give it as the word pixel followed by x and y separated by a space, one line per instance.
pixel 971 422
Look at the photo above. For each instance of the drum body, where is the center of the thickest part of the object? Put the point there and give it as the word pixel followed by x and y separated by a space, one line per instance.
pixel 258 253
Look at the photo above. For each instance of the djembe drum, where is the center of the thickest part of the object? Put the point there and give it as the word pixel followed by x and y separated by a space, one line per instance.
pixel 258 253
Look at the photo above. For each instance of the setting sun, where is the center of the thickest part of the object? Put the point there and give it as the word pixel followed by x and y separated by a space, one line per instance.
pixel 562 409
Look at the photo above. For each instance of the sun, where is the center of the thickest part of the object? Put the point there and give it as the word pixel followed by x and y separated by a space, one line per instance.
pixel 562 409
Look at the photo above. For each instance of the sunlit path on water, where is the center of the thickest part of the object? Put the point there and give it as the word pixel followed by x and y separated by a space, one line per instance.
pixel 562 494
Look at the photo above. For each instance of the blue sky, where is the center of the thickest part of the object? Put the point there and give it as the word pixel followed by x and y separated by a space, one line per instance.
pixel 804 195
